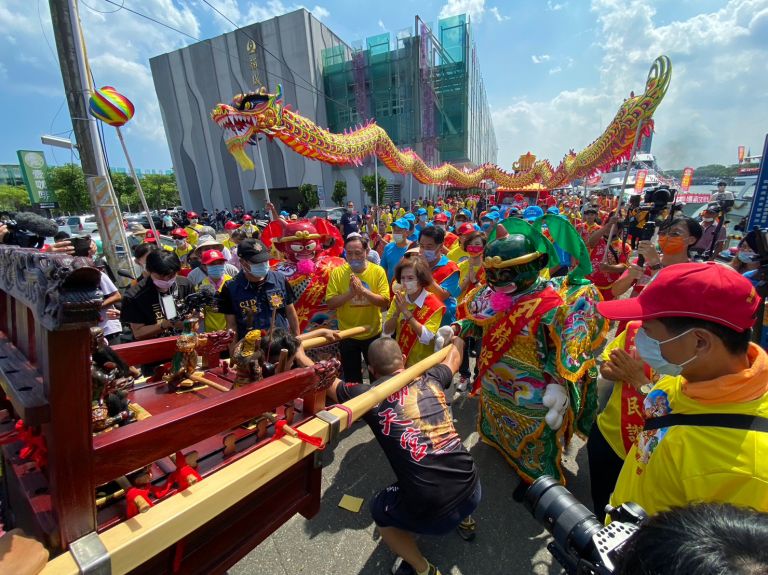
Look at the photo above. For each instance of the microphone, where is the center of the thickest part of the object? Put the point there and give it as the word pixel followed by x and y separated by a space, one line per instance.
pixel 38 225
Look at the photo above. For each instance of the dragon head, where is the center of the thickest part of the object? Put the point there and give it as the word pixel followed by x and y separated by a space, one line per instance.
pixel 248 115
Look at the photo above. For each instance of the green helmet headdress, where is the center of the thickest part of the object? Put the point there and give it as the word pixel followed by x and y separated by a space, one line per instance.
pixel 515 255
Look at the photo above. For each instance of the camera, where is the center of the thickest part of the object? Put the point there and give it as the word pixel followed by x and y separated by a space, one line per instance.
pixel 18 235
pixel 196 302
pixel 582 545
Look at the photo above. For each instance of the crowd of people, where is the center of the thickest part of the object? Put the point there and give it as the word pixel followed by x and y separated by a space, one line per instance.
pixel 564 317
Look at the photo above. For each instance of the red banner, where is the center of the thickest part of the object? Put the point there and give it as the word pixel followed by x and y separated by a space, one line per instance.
pixel 594 180
pixel 640 181
pixel 685 185
pixel 741 154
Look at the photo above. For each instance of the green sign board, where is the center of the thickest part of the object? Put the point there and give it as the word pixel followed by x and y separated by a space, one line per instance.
pixel 33 167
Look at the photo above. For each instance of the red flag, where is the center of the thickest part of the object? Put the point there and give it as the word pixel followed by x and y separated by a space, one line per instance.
pixel 685 184
pixel 741 154
pixel 640 181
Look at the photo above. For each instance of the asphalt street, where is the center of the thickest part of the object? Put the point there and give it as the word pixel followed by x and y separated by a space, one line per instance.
pixel 508 540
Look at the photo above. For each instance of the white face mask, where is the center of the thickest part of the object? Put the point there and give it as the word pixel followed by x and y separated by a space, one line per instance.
pixel 411 286
pixel 398 238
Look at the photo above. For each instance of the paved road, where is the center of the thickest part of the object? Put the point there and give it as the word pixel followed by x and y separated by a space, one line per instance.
pixel 509 541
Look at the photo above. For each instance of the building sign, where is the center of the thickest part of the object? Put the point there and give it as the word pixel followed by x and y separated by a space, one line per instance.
pixel 693 198
pixel 253 62
pixel 758 215
pixel 33 167
pixel 685 185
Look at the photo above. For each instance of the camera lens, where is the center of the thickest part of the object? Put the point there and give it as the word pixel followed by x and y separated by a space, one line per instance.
pixel 570 523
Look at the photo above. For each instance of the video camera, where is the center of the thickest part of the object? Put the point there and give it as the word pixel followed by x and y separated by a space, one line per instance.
pixel 26 230
pixel 581 543
pixel 196 302
pixel 643 218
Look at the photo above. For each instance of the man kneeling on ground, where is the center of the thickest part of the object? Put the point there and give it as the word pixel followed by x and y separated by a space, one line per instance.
pixel 437 486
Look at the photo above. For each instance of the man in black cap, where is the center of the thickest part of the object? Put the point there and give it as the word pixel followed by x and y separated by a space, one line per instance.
pixel 257 294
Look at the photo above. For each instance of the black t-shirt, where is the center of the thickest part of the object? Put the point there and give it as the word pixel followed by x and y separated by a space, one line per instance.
pixel 141 303
pixel 415 429
pixel 350 222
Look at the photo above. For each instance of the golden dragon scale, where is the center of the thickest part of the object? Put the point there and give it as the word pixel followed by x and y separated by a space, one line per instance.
pixel 255 113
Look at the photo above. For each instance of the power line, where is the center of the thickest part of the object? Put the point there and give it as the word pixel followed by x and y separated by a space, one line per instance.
pixel 311 89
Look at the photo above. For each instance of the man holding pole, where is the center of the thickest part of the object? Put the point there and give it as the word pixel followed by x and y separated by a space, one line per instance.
pixel 437 486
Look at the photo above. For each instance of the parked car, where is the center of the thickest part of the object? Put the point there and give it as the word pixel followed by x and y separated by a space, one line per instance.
pixel 331 214
pixel 86 224
pixel 142 219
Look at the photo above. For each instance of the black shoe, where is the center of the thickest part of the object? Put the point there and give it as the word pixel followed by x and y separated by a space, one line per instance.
pixel 466 529
pixel 402 567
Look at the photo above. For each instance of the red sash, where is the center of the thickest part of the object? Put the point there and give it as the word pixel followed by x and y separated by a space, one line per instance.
pixel 313 297
pixel 497 338
pixel 450 239
pixel 632 419
pixel 442 273
pixel 407 337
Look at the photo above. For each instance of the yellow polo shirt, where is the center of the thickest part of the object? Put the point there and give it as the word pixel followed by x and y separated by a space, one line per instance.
pixel 358 310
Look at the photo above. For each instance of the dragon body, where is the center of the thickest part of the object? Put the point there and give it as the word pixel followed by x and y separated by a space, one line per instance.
pixel 255 113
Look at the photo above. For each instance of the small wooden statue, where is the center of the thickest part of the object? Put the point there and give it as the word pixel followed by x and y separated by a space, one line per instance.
pixel 184 365
pixel 247 358
pixel 111 380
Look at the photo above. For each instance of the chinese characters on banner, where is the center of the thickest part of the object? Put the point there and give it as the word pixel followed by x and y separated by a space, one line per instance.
pixel 33 168
pixel 693 198
pixel 685 184
pixel 640 181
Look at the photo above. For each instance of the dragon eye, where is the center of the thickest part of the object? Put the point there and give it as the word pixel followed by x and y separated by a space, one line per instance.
pixel 297 247
pixel 310 246
pixel 248 105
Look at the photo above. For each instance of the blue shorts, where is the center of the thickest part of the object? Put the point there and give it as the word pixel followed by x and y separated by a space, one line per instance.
pixel 389 510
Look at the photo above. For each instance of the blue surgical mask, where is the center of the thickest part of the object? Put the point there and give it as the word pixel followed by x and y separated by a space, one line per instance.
pixel 746 257
pixel 216 271
pixel 649 350
pixel 356 265
pixel 430 255
pixel 259 270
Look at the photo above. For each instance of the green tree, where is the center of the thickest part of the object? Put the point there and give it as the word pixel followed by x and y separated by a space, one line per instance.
pixel 339 192
pixel 309 196
pixel 123 185
pixel 160 190
pixel 369 185
pixel 68 182
pixel 13 197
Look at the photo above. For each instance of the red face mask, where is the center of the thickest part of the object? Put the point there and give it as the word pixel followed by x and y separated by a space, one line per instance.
pixel 474 250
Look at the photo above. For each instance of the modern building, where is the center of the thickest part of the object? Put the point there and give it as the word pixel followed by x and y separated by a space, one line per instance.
pixel 423 86
pixel 10 175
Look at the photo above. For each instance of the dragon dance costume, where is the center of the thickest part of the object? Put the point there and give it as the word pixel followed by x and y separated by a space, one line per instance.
pixel 537 375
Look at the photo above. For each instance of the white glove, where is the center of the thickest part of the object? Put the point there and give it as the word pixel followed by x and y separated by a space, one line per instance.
pixel 556 399
pixel 443 337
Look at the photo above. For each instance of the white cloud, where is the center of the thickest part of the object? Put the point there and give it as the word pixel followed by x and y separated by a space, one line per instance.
pixel 716 100
pixel 474 8
pixel 554 7
pixel 555 70
pixel 496 14
pixel 540 59
pixel 259 13
pixel 382 26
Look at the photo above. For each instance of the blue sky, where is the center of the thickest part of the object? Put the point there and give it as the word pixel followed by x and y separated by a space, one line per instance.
pixel 555 70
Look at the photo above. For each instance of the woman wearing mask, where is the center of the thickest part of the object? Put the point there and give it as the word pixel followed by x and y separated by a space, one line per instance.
pixel 213 264
pixel 471 275
pixel 746 261
pixel 415 314
pixel 676 238
pixel 140 253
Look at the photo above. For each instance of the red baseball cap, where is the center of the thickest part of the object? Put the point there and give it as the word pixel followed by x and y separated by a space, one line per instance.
pixel 707 291
pixel 210 256
pixel 466 228
pixel 441 217
pixel 150 238
pixel 247 218
pixel 230 225
pixel 179 233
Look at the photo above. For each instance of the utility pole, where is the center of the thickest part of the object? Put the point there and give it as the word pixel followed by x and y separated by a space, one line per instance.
pixel 74 71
